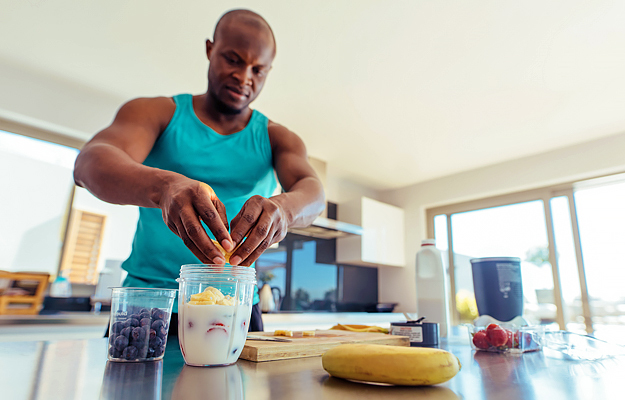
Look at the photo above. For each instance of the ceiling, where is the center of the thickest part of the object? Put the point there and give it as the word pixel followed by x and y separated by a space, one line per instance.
pixel 388 93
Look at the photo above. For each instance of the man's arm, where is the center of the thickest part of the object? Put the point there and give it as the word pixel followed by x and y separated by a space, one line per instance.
pixel 265 221
pixel 110 166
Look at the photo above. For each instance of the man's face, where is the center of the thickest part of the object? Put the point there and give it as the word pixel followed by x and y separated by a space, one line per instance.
pixel 240 60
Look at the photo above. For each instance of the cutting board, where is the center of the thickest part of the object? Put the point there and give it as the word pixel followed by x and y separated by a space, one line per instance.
pixel 298 347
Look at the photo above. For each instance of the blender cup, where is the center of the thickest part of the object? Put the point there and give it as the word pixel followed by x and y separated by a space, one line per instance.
pixel 214 309
pixel 139 323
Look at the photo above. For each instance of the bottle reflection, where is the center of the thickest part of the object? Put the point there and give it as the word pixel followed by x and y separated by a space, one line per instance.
pixel 132 380
pixel 222 383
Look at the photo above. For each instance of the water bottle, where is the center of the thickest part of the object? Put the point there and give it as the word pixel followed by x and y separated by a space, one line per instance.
pixel 61 287
pixel 432 292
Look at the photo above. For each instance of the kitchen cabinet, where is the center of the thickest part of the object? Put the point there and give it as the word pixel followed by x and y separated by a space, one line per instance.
pixel 382 239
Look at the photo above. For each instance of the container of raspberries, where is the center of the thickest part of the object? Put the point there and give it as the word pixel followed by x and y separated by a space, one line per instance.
pixel 502 338
pixel 139 323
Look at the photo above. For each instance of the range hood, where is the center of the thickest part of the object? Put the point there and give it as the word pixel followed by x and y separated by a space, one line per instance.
pixel 326 228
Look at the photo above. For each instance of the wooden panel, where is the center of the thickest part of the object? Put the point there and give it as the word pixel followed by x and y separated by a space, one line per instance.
pixel 300 347
pixel 82 250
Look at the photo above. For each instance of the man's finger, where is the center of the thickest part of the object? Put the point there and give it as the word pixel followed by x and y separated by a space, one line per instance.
pixel 264 245
pixel 243 222
pixel 261 230
pixel 212 211
pixel 197 235
pixel 179 226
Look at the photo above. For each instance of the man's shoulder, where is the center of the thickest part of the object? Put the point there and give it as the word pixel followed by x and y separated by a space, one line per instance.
pixel 157 109
pixel 281 136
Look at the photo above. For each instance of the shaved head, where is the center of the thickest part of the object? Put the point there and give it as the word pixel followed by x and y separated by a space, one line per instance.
pixel 237 18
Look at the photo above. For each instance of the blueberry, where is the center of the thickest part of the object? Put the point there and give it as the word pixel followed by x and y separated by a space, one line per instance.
pixel 156 342
pixel 152 334
pixel 144 311
pixel 126 331
pixel 113 352
pixel 117 327
pixel 138 334
pixel 144 315
pixel 135 316
pixel 130 352
pixel 121 342
pixel 156 325
pixel 159 351
pixel 157 314
pixel 145 321
pixel 133 322
pixel 162 333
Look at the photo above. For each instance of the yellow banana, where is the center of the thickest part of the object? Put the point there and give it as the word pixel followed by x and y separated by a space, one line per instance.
pixel 397 365
pixel 359 328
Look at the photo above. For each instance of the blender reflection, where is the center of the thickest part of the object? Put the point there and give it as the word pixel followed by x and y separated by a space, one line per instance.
pixel 223 383
pixel 132 380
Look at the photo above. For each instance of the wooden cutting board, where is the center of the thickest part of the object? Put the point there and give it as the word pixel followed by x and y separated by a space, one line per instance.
pixel 298 347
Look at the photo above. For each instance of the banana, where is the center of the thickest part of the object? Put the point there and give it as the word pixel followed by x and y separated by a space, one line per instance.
pixel 413 366
pixel 359 328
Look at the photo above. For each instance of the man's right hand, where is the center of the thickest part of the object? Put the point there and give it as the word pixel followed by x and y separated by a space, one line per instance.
pixel 185 203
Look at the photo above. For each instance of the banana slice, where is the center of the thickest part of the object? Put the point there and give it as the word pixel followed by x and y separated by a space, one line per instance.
pixel 225 253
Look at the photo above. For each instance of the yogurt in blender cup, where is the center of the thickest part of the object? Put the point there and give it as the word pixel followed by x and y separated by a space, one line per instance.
pixel 214 309
pixel 213 332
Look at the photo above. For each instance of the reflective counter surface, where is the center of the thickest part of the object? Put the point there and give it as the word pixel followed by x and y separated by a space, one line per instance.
pixel 78 369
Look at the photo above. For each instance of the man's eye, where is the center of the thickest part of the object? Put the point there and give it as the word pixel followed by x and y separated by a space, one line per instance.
pixel 259 72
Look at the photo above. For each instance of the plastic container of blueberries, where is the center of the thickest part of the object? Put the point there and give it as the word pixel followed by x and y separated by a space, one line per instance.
pixel 139 323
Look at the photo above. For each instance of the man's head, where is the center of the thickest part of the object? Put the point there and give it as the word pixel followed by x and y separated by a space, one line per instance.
pixel 240 55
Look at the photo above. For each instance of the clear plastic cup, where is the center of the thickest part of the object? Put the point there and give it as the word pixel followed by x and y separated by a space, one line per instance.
pixel 214 309
pixel 139 323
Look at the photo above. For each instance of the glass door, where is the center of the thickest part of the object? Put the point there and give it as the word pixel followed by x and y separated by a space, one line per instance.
pixel 515 230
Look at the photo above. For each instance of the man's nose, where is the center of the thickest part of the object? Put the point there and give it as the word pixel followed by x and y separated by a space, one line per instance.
pixel 244 75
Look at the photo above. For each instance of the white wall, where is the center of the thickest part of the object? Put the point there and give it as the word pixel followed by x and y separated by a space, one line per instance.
pixel 586 160
pixel 119 228
pixel 50 99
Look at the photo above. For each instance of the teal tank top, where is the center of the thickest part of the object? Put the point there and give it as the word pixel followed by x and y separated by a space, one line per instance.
pixel 236 166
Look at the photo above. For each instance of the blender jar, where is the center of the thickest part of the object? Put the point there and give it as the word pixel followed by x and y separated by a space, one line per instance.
pixel 214 309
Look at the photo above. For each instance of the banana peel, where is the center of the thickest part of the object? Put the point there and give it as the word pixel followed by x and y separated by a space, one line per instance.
pixel 359 328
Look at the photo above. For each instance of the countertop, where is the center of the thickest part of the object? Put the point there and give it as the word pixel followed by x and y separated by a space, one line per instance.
pixel 78 369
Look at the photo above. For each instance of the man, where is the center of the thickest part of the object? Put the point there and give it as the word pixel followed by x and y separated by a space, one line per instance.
pixel 189 160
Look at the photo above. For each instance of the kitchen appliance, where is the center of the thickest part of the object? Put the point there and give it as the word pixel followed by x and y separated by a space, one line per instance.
pixel 498 287
pixel 421 333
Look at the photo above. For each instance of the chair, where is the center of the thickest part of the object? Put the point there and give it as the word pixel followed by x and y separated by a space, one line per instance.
pixel 22 292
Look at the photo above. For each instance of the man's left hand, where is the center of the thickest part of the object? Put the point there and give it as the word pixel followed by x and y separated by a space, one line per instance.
pixel 264 222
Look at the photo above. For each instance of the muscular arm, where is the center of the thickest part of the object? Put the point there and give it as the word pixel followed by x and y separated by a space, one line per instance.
pixel 110 166
pixel 265 221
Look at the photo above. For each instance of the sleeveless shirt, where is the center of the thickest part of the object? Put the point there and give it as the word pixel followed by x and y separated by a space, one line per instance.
pixel 236 166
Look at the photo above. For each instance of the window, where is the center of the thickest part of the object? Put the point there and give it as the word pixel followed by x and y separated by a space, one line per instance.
pixel 37 187
pixel 302 273
pixel 568 238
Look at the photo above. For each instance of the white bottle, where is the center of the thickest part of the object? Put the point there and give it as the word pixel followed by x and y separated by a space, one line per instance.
pixel 432 292
pixel 61 287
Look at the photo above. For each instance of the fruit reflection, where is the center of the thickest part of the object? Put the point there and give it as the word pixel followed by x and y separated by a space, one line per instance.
pixel 132 380
pixel 340 389
pixel 222 383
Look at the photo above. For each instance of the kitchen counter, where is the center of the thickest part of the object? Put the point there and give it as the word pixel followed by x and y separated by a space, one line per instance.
pixel 78 369
pixel 90 325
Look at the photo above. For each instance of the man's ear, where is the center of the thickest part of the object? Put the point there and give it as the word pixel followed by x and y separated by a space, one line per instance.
pixel 209 48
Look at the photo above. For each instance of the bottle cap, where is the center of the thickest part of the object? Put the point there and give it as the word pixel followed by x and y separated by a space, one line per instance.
pixel 428 242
